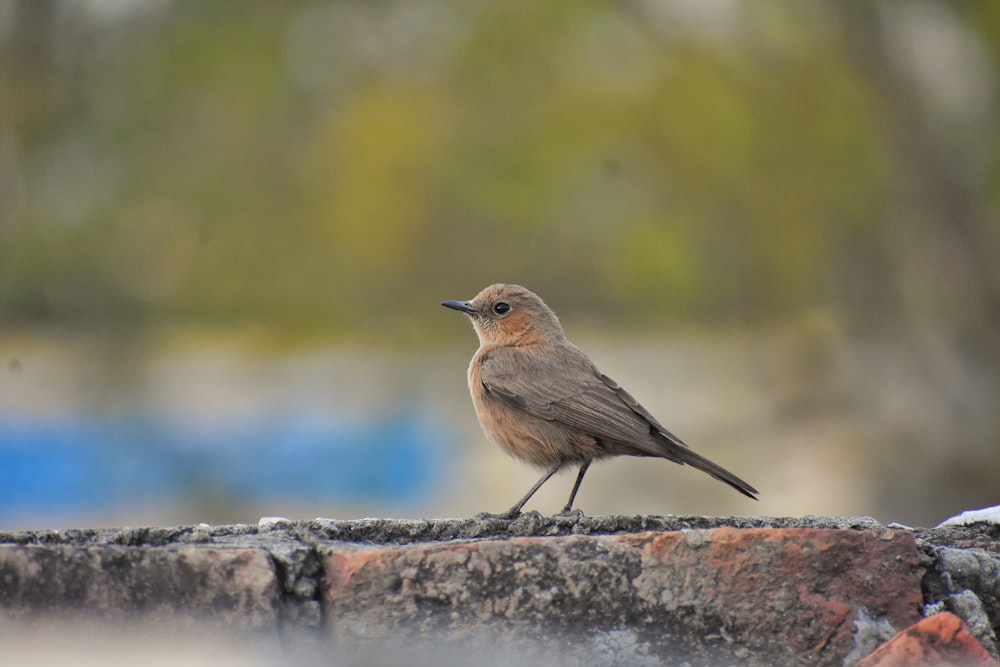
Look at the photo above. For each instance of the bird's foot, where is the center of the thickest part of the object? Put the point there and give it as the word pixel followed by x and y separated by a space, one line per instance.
pixel 569 512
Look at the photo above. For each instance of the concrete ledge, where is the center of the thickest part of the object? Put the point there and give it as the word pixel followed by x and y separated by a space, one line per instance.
pixel 233 586
pixel 559 590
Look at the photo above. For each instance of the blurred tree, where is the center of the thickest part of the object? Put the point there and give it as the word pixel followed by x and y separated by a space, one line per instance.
pixel 336 167
pixel 938 236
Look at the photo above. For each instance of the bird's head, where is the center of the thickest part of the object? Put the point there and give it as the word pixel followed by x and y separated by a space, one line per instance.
pixel 510 315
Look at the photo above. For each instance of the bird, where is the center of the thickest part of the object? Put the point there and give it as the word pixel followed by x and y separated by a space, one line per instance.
pixel 542 400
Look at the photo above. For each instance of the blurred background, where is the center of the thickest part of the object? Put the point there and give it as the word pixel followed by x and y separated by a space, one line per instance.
pixel 225 229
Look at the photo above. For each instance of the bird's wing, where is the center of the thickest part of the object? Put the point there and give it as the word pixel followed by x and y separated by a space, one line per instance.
pixel 564 386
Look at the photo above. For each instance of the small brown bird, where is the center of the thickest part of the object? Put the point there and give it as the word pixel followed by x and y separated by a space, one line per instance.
pixel 544 402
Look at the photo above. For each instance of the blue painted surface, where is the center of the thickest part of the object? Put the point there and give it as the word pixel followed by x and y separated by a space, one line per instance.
pixel 86 462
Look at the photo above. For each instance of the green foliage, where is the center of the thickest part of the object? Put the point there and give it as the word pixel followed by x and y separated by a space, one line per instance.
pixel 343 167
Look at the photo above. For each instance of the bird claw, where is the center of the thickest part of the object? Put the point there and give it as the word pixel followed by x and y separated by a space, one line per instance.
pixel 576 514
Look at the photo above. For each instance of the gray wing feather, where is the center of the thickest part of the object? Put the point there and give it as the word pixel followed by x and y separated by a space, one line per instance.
pixel 565 387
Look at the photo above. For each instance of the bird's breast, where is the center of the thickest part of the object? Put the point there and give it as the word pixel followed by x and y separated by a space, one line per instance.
pixel 524 436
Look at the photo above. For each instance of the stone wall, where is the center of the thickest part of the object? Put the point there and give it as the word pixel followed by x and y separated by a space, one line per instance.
pixel 535 590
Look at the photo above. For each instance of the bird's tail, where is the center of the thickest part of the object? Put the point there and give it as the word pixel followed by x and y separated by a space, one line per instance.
pixel 698 461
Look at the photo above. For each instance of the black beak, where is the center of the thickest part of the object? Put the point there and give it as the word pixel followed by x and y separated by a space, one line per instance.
pixel 463 306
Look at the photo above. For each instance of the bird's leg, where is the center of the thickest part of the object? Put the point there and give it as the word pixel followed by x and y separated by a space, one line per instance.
pixel 576 487
pixel 516 509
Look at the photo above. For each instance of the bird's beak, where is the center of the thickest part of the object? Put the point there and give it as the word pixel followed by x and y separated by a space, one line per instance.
pixel 463 306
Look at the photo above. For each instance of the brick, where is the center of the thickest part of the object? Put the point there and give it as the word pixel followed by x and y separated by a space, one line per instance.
pixel 702 596
pixel 941 639
pixel 234 587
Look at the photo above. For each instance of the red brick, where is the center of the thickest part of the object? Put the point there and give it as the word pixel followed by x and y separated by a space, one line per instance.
pixel 705 596
pixel 941 639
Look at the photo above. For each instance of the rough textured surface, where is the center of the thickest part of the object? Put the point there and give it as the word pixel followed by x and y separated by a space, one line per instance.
pixel 937 640
pixel 645 590
pixel 229 586
pixel 869 632
pixel 699 596
pixel 407 531
pixel 963 576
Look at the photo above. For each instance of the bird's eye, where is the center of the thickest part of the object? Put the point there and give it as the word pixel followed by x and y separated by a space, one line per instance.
pixel 501 307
